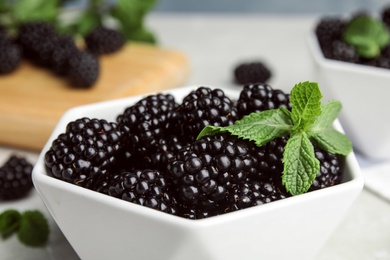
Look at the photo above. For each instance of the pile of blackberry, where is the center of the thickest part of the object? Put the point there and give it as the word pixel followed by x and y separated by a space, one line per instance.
pixel 43 45
pixel 15 178
pixel 150 156
pixel 329 31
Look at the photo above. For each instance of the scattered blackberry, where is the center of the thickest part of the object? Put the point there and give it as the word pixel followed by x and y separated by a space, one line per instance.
pixel 203 107
pixel 329 29
pixel 83 69
pixel 386 16
pixel 259 97
pixel 254 72
pixel 330 173
pixel 204 171
pixel 10 55
pixel 104 41
pixel 60 57
pixel 144 187
pixel 86 153
pixel 147 130
pixel 15 178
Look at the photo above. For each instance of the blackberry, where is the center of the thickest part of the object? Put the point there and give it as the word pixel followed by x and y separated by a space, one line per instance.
pixel 202 107
pixel 104 41
pixel 259 97
pixel 147 131
pixel 253 193
pixel 146 187
pixel 254 72
pixel 328 30
pixel 10 55
pixel 83 69
pixel 15 178
pixel 330 172
pixel 65 48
pixel 385 15
pixel 85 153
pixel 204 171
pixel 344 52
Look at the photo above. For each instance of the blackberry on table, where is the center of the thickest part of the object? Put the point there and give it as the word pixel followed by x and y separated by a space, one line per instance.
pixel 10 55
pixel 259 97
pixel 146 187
pixel 253 72
pixel 85 153
pixel 83 69
pixel 204 106
pixel 65 48
pixel 15 178
pixel 103 40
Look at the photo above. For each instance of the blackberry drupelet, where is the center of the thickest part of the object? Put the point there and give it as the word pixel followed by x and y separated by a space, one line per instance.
pixel 10 54
pixel 204 171
pixel 259 97
pixel 254 72
pixel 330 172
pixel 15 178
pixel 147 130
pixel 328 30
pixel 146 187
pixel 85 153
pixel 83 69
pixel 104 41
pixel 202 107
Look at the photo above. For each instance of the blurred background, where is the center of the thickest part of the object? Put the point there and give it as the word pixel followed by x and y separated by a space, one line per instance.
pixel 264 6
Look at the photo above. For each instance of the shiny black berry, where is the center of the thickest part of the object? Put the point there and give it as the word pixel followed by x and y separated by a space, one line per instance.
pixel 259 97
pixel 104 41
pixel 15 178
pixel 253 72
pixel 85 153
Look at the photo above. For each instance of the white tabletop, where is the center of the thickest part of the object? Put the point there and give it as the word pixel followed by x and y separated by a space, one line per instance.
pixel 214 45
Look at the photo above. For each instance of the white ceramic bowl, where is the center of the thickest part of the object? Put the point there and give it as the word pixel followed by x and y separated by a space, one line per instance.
pixel 364 92
pixel 103 227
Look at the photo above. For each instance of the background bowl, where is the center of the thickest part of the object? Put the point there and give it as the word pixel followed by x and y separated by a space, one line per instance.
pixel 364 92
pixel 103 227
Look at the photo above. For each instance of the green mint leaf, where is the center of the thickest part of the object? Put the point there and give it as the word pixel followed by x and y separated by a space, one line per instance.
pixel 37 10
pixel 260 127
pixel 300 166
pixel 323 134
pixel 306 104
pixel 9 222
pixel 368 35
pixel 34 229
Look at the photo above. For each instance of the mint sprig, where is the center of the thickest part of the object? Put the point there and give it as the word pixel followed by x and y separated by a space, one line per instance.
pixel 308 123
pixel 368 35
pixel 31 227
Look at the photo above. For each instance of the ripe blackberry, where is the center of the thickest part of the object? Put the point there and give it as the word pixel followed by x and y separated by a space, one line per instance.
pixel 147 187
pixel 344 52
pixel 65 48
pixel 328 30
pixel 202 107
pixel 10 54
pixel 15 178
pixel 330 172
pixel 104 41
pixel 85 153
pixel 254 72
pixel 147 130
pixel 253 193
pixel 259 97
pixel 83 69
pixel 204 171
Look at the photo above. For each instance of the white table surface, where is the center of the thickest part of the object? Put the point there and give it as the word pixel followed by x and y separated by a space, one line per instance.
pixel 214 45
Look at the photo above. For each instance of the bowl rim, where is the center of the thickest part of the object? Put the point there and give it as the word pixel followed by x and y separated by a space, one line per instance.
pixel 39 175
pixel 322 61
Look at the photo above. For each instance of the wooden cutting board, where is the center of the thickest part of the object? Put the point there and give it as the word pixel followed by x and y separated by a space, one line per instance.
pixel 33 99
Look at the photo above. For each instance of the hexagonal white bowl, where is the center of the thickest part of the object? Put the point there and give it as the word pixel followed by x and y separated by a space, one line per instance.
pixel 364 92
pixel 103 227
